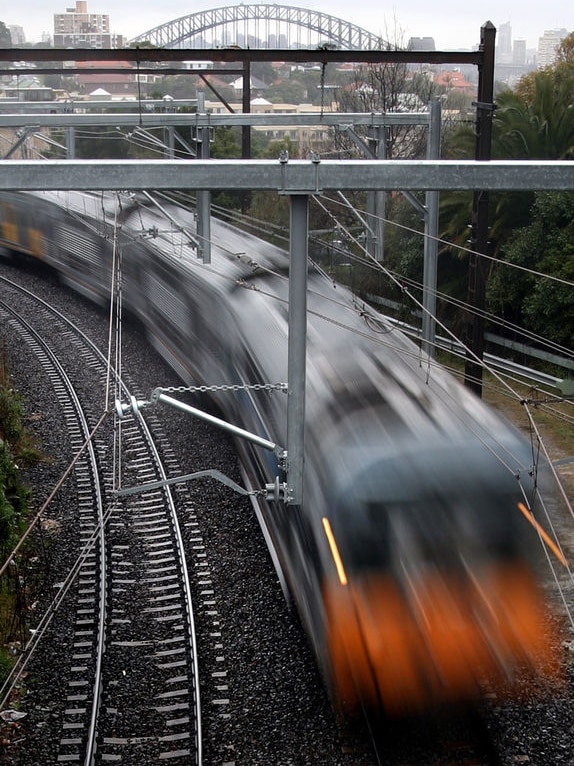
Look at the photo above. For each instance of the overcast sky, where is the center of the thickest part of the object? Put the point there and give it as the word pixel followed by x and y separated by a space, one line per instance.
pixel 453 24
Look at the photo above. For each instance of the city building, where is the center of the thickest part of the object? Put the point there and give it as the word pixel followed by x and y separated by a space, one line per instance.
pixel 305 137
pixel 504 44
pixel 548 45
pixel 513 60
pixel 17 35
pixel 454 79
pixel 114 84
pixel 421 44
pixel 519 53
pixel 76 28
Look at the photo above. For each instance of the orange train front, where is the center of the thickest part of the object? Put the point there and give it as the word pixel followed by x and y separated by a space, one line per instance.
pixel 432 593
pixel 440 647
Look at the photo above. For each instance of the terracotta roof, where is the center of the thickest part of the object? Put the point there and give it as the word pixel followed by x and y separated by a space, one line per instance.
pixel 451 79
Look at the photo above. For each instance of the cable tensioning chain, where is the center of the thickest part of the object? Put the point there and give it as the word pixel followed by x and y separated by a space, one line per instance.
pixel 204 389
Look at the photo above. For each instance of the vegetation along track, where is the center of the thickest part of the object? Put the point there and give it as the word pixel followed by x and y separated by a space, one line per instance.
pixel 132 678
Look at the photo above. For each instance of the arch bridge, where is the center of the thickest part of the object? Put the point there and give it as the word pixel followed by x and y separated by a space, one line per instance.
pixel 261 26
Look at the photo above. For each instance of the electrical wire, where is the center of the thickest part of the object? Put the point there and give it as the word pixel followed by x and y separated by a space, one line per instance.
pixel 468 250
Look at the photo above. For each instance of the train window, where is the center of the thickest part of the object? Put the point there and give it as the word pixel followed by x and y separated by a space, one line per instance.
pixel 363 536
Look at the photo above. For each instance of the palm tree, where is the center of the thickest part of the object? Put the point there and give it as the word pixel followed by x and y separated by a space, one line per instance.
pixel 540 127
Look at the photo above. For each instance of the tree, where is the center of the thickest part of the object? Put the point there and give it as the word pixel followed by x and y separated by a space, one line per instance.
pixel 389 87
pixel 541 305
pixel 289 91
pixel 226 145
pixel 535 121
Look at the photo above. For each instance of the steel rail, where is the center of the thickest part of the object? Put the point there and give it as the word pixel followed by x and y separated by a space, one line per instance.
pixel 92 732
pixel 77 421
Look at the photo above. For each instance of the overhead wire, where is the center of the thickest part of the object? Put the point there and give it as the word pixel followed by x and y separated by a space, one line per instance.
pixel 470 251
pixel 401 282
pixel 468 352
pixel 503 382
pixel 344 305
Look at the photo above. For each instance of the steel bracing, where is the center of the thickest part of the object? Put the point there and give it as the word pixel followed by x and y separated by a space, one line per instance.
pixel 261 26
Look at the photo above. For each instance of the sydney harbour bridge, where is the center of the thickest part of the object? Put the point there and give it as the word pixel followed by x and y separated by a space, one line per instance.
pixel 260 26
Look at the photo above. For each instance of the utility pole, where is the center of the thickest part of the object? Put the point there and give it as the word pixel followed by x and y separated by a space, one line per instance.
pixel 246 130
pixel 479 239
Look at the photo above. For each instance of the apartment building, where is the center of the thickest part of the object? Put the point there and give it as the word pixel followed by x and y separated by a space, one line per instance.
pixel 76 28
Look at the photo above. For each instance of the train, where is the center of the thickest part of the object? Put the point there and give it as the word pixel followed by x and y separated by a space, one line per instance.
pixel 408 559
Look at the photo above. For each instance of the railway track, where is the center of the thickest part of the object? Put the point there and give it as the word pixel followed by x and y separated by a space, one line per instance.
pixel 132 679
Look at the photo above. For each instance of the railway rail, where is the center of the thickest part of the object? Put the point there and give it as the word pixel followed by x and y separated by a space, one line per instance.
pixel 130 589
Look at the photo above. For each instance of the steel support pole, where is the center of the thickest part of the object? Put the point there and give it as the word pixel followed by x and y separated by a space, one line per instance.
pixel 297 347
pixel 169 141
pixel 480 244
pixel 203 196
pixel 71 143
pixel 380 198
pixel 431 237
pixel 246 129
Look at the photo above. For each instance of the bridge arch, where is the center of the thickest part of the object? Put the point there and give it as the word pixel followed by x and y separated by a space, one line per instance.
pixel 260 26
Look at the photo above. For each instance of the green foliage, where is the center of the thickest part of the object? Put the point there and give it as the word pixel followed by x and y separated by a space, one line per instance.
pixel 13 500
pixel 9 499
pixel 287 92
pixel 10 415
pixel 263 70
pixel 6 664
pixel 270 206
pixel 273 149
pixel 226 143
pixel 534 121
pixel 178 86
pixel 538 125
pixel 546 245
pixel 15 451
pixel 106 143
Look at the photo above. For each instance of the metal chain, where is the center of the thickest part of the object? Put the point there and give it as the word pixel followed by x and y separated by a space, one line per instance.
pixel 203 389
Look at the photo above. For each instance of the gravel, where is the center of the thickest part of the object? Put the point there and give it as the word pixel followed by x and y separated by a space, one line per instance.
pixel 276 711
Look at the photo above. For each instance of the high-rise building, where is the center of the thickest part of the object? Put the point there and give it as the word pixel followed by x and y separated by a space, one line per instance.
pixel 17 35
pixel 504 38
pixel 548 45
pixel 504 44
pixel 519 53
pixel 79 29
pixel 421 44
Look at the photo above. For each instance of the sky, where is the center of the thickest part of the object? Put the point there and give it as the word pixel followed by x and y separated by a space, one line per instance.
pixel 454 24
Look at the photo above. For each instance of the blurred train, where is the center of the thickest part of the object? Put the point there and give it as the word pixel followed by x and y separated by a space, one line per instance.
pixel 408 559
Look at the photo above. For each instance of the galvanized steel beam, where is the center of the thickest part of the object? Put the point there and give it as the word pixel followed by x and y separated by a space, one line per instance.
pixel 142 56
pixel 150 119
pixel 293 177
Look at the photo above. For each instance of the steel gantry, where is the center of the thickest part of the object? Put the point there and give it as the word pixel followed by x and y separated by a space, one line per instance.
pixel 299 179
